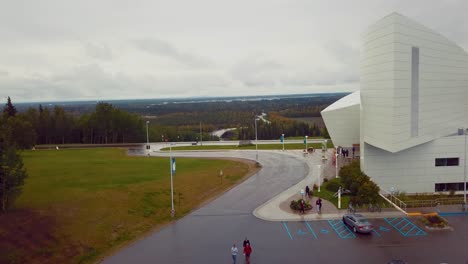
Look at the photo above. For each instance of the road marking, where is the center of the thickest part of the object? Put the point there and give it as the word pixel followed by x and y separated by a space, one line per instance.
pixel 384 229
pixel 402 224
pixel 287 229
pixel 377 233
pixel 324 231
pixel 311 230
pixel 301 233
pixel 341 229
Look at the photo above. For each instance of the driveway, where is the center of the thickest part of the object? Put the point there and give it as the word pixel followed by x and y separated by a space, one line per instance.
pixel 206 234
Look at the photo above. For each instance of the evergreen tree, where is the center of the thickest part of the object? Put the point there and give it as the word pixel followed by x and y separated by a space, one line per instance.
pixel 12 173
pixel 9 110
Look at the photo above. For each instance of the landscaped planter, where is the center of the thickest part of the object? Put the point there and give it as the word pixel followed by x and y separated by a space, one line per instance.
pixel 296 205
pixel 434 222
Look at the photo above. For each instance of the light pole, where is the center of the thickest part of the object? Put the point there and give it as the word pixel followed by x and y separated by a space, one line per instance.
pixel 306 143
pixel 147 134
pixel 256 144
pixel 319 174
pixel 336 162
pixel 465 130
pixel 282 137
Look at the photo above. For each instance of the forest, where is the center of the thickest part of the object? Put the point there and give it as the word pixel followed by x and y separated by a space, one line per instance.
pixel 191 120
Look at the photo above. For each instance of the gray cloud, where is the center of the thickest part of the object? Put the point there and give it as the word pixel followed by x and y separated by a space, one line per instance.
pixel 55 49
pixel 162 48
pixel 102 52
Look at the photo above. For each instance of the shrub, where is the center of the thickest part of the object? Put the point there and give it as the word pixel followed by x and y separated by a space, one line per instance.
pixel 434 221
pixel 296 205
pixel 333 185
pixel 325 180
pixel 368 192
pixel 315 186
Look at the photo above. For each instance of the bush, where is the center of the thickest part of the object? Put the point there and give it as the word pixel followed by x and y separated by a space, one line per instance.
pixel 325 180
pixel 333 185
pixel 368 192
pixel 296 205
pixel 434 221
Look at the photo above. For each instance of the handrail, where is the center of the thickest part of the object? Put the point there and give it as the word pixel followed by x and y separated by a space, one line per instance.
pixel 393 200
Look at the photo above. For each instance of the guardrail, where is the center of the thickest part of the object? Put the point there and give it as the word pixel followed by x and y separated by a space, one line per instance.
pixel 433 203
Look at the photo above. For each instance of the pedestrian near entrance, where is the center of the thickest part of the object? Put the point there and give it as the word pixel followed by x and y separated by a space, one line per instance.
pixel 246 241
pixel 234 251
pixel 318 203
pixel 302 206
pixel 307 191
pixel 354 149
pixel 247 252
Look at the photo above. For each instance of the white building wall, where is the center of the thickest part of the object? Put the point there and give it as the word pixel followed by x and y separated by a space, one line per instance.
pixel 386 72
pixel 413 170
pixel 343 125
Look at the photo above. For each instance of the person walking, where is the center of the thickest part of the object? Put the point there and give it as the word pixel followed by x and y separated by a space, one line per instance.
pixel 234 251
pixel 246 241
pixel 319 204
pixel 247 252
pixel 307 191
pixel 302 206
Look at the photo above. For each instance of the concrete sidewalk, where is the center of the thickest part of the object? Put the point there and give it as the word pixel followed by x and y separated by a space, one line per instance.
pixel 277 209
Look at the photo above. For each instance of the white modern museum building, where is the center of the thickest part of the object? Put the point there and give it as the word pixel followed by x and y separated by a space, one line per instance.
pixel 410 117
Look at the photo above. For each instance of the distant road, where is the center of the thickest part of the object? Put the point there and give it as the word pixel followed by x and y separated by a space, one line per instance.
pixel 236 142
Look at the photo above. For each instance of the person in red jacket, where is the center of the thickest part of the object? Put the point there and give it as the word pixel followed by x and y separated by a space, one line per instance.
pixel 247 252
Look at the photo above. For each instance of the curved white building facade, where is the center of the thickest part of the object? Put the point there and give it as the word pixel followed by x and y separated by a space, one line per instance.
pixel 413 100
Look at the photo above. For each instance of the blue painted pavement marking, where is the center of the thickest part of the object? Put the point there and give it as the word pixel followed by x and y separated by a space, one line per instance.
pixel 384 229
pixel 377 233
pixel 341 229
pixel 301 233
pixel 405 227
pixel 311 230
pixel 287 229
pixel 324 231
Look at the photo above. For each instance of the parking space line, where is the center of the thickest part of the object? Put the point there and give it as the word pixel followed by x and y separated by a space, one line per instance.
pixel 377 233
pixel 413 230
pixel 287 229
pixel 337 225
pixel 311 230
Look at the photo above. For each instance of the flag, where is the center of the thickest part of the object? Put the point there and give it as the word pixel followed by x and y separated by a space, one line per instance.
pixel 173 165
pixel 282 139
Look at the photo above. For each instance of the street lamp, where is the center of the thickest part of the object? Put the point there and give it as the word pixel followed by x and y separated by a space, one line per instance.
pixel 319 174
pixel 465 130
pixel 147 134
pixel 336 162
pixel 282 137
pixel 256 144
pixel 306 143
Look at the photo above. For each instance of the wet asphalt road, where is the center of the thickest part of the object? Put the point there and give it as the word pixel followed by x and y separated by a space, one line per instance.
pixel 206 235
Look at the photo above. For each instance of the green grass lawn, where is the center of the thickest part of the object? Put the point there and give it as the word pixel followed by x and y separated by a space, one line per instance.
pixel 252 147
pixel 99 199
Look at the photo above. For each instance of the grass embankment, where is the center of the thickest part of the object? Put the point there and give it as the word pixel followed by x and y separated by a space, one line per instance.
pixel 345 199
pixel 252 147
pixel 79 205
pixel 329 196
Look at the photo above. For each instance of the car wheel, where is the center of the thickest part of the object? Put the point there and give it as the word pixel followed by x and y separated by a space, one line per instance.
pixel 354 229
pixel 344 221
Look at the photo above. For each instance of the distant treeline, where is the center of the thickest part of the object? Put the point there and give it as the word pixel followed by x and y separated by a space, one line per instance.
pixel 103 123
pixel 106 124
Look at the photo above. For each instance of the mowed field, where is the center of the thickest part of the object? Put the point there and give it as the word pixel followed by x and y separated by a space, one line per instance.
pixel 79 205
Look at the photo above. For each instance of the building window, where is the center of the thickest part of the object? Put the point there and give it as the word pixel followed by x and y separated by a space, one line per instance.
pixel 447 162
pixel 446 187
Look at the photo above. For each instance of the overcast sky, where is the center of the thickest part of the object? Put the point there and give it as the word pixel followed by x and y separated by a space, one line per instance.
pixel 114 49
